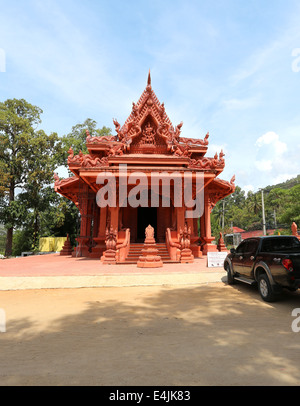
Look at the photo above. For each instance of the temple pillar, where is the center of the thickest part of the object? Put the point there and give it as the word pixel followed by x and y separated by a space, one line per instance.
pixel 196 249
pixel 102 222
pixel 208 246
pixel 98 248
pixel 180 218
pixel 82 250
pixel 114 217
pixel 202 228
pixel 99 233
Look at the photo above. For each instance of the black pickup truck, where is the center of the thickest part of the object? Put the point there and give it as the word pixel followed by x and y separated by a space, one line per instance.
pixel 271 262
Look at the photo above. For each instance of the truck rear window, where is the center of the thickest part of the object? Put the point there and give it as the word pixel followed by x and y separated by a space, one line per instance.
pixel 281 244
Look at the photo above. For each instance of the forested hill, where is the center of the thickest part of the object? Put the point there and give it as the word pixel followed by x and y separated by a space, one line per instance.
pixel 285 185
pixel 281 203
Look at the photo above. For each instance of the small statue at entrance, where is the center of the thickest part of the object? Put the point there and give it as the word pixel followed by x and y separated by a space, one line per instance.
pixel 221 244
pixel 185 237
pixel 109 256
pixel 149 232
pixel 111 238
pixel 186 255
pixel 149 257
pixel 294 229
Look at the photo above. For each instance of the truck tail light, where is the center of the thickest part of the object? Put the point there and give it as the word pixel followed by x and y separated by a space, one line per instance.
pixel 287 263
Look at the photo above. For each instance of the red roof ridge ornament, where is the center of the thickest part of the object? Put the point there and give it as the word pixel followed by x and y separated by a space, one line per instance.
pixel 149 79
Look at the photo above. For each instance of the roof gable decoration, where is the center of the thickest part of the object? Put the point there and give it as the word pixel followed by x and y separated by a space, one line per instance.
pixel 148 129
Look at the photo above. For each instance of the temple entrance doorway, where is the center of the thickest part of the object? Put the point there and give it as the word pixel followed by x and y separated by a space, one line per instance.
pixel 146 216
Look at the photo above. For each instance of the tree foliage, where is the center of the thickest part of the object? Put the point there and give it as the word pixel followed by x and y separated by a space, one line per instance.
pixel 282 208
pixel 77 138
pixel 28 159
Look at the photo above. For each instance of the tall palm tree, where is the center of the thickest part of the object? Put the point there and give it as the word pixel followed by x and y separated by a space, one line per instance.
pixel 254 202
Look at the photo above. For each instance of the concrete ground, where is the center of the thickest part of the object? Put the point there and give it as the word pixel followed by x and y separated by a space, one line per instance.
pixel 55 271
pixel 204 333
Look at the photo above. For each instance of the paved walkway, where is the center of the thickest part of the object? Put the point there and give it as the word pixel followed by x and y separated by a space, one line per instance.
pixel 55 271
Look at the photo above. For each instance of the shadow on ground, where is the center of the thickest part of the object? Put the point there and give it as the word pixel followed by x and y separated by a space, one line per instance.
pixel 193 335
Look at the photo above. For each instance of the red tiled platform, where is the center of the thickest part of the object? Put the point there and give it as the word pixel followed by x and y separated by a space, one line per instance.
pixel 55 271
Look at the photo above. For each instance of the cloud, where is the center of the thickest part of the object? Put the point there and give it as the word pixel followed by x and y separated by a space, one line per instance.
pixel 213 148
pixel 270 151
pixel 241 104
pixel 284 177
pixel 271 138
pixel 273 159
pixel 248 188
pixel 264 165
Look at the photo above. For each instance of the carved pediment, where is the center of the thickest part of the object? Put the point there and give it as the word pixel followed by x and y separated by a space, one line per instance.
pixel 148 140
pixel 148 129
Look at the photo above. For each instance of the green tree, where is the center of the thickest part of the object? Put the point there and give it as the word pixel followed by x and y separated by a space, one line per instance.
pixel 254 202
pixel 291 212
pixel 275 202
pixel 77 137
pixel 28 157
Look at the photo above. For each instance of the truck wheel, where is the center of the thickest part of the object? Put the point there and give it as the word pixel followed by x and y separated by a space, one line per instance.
pixel 230 278
pixel 265 289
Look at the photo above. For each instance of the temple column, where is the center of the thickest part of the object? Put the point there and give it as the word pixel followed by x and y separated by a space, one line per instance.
pixel 109 255
pixel 82 250
pixel 89 217
pixel 196 249
pixel 99 236
pixel 98 248
pixel 180 218
pixel 114 217
pixel 208 246
pixel 102 222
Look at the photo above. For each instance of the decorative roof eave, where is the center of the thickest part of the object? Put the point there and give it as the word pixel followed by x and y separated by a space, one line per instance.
pixel 71 181
pixel 223 186
pixel 219 189
pixel 216 163
pixel 67 187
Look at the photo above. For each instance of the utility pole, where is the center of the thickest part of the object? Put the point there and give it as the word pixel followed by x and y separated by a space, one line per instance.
pixel 275 221
pixel 223 215
pixel 263 212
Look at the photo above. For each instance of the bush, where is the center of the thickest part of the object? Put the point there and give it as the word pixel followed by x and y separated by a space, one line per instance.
pixel 22 241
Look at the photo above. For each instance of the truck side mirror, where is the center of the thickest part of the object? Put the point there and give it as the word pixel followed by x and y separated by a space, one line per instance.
pixel 232 250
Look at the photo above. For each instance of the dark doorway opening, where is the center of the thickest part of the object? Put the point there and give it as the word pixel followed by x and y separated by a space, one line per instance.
pixel 146 216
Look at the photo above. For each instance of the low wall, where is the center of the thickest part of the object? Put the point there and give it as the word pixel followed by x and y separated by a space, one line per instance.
pixel 51 244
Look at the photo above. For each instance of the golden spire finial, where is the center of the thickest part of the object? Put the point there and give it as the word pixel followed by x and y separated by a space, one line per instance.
pixel 149 79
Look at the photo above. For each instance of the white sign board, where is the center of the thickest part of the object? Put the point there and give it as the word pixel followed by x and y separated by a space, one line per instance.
pixel 215 259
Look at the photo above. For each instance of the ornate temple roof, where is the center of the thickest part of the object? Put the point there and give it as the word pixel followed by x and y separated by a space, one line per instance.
pixel 148 138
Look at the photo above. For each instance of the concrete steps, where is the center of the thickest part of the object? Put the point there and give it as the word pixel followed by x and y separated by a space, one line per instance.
pixel 135 252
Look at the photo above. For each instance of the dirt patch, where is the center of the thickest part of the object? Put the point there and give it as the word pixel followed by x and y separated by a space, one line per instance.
pixel 211 334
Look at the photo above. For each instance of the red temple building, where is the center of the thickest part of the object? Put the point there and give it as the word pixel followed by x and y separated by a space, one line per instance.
pixel 146 151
